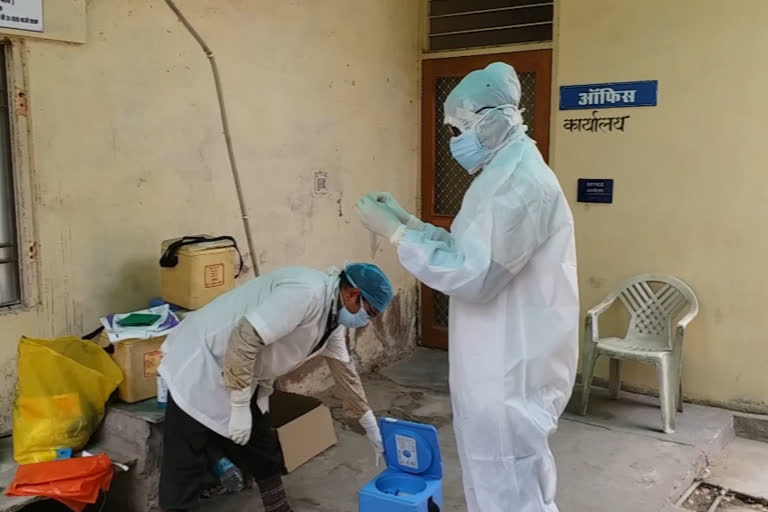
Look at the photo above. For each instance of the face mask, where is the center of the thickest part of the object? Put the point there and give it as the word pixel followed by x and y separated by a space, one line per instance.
pixel 466 149
pixel 497 127
pixel 354 320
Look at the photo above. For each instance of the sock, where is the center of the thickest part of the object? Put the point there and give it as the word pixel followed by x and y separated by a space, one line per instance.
pixel 273 495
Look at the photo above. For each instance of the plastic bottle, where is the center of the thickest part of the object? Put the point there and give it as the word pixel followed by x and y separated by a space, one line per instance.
pixel 229 475
pixel 162 393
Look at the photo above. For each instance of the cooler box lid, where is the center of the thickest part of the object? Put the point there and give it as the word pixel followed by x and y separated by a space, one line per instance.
pixel 411 447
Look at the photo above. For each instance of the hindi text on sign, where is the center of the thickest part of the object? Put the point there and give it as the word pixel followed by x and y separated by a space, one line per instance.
pixel 594 124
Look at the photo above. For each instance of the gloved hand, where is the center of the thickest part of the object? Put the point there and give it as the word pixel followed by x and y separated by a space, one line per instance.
pixel 372 432
pixel 403 215
pixel 378 218
pixel 240 420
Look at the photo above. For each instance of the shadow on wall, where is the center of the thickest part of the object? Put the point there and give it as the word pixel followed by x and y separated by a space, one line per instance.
pixel 137 282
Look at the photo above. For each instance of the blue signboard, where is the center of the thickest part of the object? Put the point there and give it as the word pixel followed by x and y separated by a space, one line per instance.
pixel 613 95
pixel 595 191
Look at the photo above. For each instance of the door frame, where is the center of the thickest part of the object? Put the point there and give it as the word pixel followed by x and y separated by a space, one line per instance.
pixel 531 61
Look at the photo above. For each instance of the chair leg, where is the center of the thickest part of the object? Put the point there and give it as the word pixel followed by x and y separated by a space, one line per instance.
pixel 680 387
pixel 667 393
pixel 614 382
pixel 587 372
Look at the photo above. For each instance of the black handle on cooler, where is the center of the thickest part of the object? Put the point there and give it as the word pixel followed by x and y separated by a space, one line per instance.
pixel 170 259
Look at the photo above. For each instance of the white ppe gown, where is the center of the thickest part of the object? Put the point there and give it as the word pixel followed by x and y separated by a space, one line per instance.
pixel 288 308
pixel 509 268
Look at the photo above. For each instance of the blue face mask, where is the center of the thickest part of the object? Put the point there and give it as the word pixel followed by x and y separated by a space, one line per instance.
pixel 476 146
pixel 466 149
pixel 354 320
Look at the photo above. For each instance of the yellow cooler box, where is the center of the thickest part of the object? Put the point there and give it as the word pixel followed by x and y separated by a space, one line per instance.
pixel 196 270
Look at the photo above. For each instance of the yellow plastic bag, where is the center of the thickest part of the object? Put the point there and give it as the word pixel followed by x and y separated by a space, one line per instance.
pixel 60 395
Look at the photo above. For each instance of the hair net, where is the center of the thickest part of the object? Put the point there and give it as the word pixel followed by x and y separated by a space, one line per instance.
pixel 497 88
pixel 374 286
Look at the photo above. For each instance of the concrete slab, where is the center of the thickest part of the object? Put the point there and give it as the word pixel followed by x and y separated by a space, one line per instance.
pixel 424 368
pixel 148 410
pixel 606 470
pixel 637 414
pixel 700 426
pixel 751 426
pixel 612 461
pixel 600 471
pixel 742 468
pixel 330 482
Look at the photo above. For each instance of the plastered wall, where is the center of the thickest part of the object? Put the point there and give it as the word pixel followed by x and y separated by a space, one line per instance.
pixel 126 149
pixel 690 184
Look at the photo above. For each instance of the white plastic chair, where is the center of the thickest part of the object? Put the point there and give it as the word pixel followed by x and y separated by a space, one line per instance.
pixel 653 302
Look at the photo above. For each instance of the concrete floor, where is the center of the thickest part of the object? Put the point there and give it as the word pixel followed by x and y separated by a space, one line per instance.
pixel 614 459
pixel 742 468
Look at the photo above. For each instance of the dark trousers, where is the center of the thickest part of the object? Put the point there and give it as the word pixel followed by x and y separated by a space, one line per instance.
pixel 186 465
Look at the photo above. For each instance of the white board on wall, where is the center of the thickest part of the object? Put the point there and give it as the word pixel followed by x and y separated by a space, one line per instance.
pixel 65 20
pixel 22 14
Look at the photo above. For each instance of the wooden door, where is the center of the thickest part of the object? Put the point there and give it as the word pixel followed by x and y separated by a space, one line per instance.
pixel 443 181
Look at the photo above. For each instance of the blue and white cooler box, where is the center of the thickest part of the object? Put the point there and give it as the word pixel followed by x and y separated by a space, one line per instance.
pixel 413 480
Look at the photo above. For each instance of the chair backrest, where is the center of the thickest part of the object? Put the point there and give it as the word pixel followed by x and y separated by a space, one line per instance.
pixel 653 302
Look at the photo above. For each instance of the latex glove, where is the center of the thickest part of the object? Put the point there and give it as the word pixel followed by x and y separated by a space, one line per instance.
pixel 240 419
pixel 376 217
pixel 411 221
pixel 372 432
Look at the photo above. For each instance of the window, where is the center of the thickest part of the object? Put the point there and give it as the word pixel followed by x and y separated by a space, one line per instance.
pixel 10 279
pixel 457 24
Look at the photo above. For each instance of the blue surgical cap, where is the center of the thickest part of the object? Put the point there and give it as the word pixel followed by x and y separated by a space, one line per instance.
pixel 374 286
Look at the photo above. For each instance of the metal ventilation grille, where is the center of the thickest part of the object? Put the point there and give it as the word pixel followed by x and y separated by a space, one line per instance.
pixel 456 24
pixel 451 180
pixel 441 305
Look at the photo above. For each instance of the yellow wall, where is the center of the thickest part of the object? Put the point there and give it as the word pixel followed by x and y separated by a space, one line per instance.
pixel 127 148
pixel 691 194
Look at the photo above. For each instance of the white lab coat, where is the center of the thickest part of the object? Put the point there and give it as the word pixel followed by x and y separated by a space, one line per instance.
pixel 509 267
pixel 289 309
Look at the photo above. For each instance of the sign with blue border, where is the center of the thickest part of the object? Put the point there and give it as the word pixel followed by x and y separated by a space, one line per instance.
pixel 595 191
pixel 610 95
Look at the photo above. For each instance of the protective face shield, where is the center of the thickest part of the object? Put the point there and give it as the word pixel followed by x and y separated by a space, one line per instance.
pixel 476 146
pixel 354 320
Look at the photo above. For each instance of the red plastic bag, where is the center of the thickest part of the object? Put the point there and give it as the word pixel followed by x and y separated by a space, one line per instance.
pixel 74 482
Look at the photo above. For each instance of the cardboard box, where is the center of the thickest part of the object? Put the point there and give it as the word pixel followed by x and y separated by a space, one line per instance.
pixel 304 427
pixel 138 359
pixel 203 272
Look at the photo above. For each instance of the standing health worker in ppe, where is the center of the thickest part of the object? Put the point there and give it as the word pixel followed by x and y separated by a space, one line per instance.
pixel 221 362
pixel 509 267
